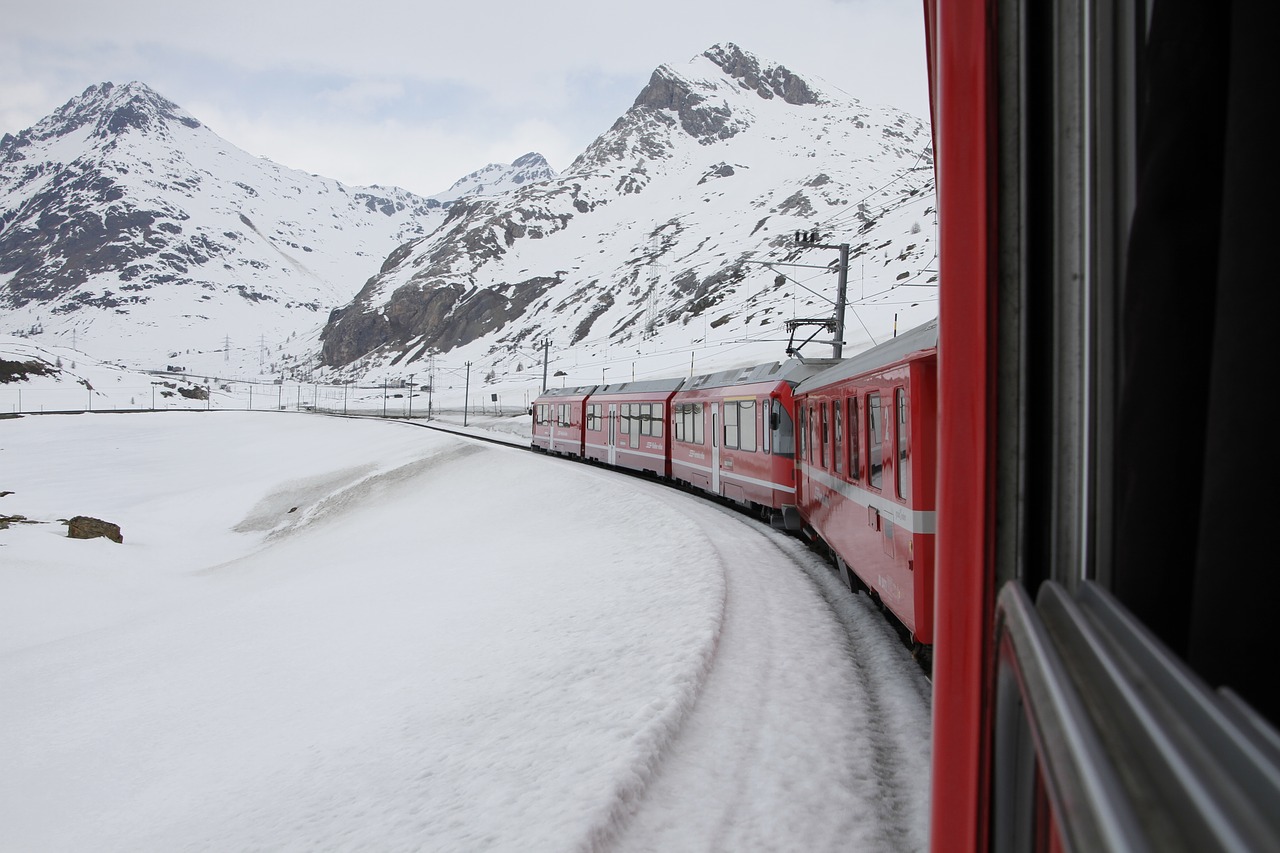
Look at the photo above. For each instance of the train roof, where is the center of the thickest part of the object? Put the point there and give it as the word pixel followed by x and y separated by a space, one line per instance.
pixel 921 338
pixel 792 370
pixel 576 391
pixel 648 386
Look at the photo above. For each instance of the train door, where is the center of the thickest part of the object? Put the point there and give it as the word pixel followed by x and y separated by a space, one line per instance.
pixel 612 440
pixel 715 448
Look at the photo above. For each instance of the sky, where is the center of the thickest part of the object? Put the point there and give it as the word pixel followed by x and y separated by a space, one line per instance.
pixel 326 633
pixel 419 94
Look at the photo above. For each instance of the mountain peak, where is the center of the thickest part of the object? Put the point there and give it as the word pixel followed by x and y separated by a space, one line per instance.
pixel 109 110
pixel 767 82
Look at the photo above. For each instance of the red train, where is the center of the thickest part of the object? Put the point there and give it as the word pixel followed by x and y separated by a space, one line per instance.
pixel 1079 445
pixel 729 434
pixel 865 473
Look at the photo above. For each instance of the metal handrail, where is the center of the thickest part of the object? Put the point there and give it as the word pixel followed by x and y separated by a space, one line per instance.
pixel 1134 751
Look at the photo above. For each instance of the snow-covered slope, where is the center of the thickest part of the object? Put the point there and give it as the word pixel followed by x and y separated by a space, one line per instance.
pixel 132 230
pixel 647 241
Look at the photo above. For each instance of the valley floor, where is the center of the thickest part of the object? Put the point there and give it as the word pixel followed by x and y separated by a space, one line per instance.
pixel 323 633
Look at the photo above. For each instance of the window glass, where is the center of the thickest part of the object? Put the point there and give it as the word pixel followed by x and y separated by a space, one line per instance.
pixel 901 438
pixel 677 422
pixel 855 461
pixel 824 434
pixel 731 424
pixel 837 429
pixel 784 436
pixel 875 434
pixel 656 421
pixel 624 418
pixel 747 425
pixel 698 423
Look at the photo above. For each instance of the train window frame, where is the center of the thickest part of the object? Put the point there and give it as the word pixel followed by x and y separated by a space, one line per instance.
pixel 783 437
pixel 563 416
pixel 875 441
pixel 837 436
pixel 855 431
pixel 656 419
pixel 801 444
pixel 824 435
pixel 593 417
pixel 902 442
pixel 747 426
pixel 729 425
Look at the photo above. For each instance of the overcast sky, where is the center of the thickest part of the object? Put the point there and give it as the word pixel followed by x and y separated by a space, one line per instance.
pixel 418 94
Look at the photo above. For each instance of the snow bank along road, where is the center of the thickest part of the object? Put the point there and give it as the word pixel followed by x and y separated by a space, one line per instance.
pixel 335 634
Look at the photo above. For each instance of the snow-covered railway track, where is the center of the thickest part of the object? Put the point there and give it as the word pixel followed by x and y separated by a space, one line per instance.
pixel 809 699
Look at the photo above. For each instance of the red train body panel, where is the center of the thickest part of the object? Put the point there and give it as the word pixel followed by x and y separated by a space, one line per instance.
pixel 627 425
pixel 865 482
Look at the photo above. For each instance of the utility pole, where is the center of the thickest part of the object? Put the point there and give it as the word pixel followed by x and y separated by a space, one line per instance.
pixel 431 383
pixel 546 354
pixel 842 288
pixel 466 395
pixel 411 396
pixel 809 240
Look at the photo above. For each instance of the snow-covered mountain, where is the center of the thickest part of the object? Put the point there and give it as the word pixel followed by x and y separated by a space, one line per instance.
pixel 654 231
pixel 132 230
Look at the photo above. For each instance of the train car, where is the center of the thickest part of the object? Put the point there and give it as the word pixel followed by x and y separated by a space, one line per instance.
pixel 866 467
pixel 733 435
pixel 626 425
pixel 559 421
pixel 1104 652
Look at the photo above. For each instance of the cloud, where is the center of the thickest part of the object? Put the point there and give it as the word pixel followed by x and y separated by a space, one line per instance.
pixel 329 85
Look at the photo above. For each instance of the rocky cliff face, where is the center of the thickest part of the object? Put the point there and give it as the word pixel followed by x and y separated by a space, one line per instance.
pixel 657 223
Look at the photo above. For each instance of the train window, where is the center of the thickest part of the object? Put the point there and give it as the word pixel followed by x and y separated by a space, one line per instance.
pixel 824 434
pixel 593 417
pixel 697 420
pixel 783 429
pixel 655 420
pixel 562 417
pixel 624 419
pixel 837 430
pixel 875 433
pixel 810 435
pixel 731 424
pixel 901 438
pixel 800 432
pixel 855 462
pixel 747 425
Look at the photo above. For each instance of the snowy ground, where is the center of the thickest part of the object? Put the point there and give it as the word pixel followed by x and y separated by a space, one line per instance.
pixel 339 634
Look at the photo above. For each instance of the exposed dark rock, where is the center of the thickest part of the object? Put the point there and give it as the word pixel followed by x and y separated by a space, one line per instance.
pixel 88 527
pixel 21 371
pixel 767 82
pixel 703 121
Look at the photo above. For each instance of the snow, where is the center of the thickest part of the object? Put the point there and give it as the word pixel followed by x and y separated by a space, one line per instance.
pixel 331 633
